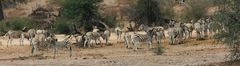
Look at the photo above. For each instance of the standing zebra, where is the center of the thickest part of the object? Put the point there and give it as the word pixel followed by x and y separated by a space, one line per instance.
pixel 190 28
pixel 89 36
pixel 11 34
pixel 136 37
pixel 36 41
pixel 172 34
pixel 106 36
pixel 198 28
pixel 118 32
pixel 31 33
pixel 159 32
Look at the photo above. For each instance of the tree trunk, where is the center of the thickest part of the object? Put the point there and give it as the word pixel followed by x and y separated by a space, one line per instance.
pixel 1 11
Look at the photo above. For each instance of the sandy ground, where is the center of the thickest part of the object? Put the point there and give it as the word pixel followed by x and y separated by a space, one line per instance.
pixel 191 53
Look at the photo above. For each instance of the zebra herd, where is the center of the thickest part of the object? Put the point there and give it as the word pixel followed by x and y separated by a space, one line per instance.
pixel 177 32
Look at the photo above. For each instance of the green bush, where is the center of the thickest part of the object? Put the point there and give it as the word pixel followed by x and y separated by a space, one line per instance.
pixel 3 28
pixel 19 23
pixel 62 26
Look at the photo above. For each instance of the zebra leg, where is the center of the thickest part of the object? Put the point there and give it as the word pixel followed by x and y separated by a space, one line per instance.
pixel 21 41
pixel 55 52
pixel 126 42
pixel 34 48
pixel 89 43
pixel 30 40
pixel 106 40
pixel 11 41
pixel 70 50
pixel 174 40
pixel 198 35
pixel 149 43
pixel 117 37
pixel 86 42
pixel 170 40
pixel 8 42
pixel 135 43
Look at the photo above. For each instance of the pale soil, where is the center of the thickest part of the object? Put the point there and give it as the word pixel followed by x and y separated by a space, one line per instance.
pixel 191 53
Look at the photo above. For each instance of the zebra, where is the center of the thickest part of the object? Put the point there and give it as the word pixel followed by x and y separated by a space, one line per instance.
pixel 127 38
pixel 36 41
pixel 106 35
pixel 176 32
pixel 179 31
pixel 50 42
pixel 204 28
pixel 11 34
pixel 159 34
pixel 186 31
pixel 199 29
pixel 118 32
pixel 135 38
pixel 31 33
pixel 172 34
pixel 190 28
pixel 89 36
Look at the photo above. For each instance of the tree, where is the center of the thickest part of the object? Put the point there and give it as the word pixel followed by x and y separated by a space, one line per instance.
pixel 229 17
pixel 147 12
pixel 196 9
pixel 84 13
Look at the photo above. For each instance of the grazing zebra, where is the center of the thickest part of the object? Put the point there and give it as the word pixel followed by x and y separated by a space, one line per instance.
pixel 118 31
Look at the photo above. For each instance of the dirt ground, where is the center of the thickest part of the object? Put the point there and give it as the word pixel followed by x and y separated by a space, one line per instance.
pixel 191 53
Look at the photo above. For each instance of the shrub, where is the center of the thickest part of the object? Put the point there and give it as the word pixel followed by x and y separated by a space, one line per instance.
pixel 19 23
pixel 3 28
pixel 62 26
